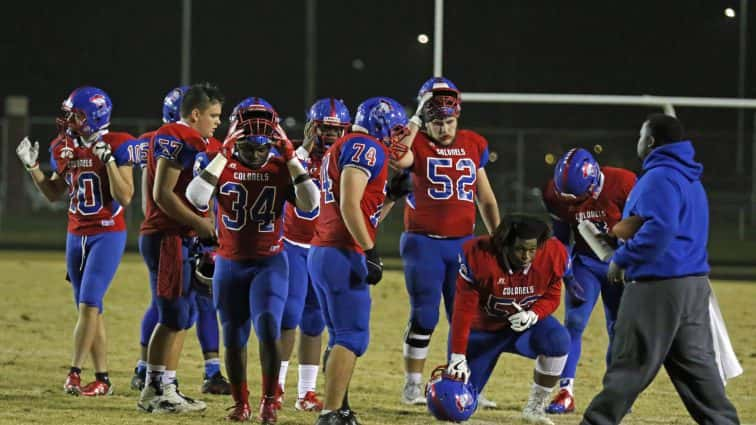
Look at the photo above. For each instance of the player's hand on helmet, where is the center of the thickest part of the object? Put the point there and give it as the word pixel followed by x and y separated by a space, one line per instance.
pixel 234 134
pixel 206 232
pixel 417 119
pixel 522 320
pixel 102 150
pixel 309 136
pixel 575 289
pixel 374 266
pixel 458 368
pixel 399 186
pixel 285 148
pixel 28 153
pixel 615 274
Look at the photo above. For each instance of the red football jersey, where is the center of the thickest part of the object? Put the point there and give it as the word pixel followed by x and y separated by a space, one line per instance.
pixel 604 211
pixel 250 206
pixel 486 290
pixel 299 226
pixel 445 184
pixel 178 143
pixel 353 150
pixel 91 208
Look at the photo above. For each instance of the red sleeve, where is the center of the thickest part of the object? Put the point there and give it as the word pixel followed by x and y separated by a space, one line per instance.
pixel 465 307
pixel 549 302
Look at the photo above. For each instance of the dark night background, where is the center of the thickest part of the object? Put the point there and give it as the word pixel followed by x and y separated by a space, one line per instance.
pixel 669 48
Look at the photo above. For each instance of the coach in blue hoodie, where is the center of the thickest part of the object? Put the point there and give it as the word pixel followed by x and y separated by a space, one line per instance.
pixel 663 317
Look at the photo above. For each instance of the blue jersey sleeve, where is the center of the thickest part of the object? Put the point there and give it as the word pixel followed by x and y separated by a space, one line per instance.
pixel 129 153
pixel 363 153
pixel 175 150
pixel 200 162
pixel 484 158
pixel 53 163
pixel 465 272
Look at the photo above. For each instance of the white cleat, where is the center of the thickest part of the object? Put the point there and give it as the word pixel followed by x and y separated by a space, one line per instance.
pixel 486 403
pixel 535 410
pixel 192 405
pixel 413 394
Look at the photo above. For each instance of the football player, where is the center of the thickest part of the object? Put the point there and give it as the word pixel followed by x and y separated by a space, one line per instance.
pixel 449 178
pixel 327 120
pixel 581 190
pixel 250 283
pixel 166 236
pixel 508 286
pixel 94 165
pixel 206 319
pixel 343 259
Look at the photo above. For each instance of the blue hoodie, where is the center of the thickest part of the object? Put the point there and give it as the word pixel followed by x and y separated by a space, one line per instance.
pixel 671 200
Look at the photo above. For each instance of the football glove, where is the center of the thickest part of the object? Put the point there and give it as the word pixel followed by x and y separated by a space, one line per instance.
pixel 285 148
pixel 399 186
pixel 522 320
pixel 457 367
pixel 374 266
pixel 102 150
pixel 28 153
pixel 417 119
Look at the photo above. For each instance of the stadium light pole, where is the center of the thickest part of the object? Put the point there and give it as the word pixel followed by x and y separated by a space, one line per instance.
pixel 438 39
pixel 311 44
pixel 742 57
pixel 186 41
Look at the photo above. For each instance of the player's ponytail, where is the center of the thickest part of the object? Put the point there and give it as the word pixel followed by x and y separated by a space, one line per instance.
pixel 519 225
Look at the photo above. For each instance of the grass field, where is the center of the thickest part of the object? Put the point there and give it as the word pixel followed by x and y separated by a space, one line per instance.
pixel 37 317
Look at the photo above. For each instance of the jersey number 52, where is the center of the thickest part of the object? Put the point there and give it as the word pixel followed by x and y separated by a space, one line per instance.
pixel 444 187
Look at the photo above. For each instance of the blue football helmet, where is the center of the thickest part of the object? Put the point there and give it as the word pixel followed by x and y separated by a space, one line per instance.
pixel 446 100
pixel 449 399
pixel 259 120
pixel 577 175
pixel 172 104
pixel 86 111
pixel 383 118
pixel 329 112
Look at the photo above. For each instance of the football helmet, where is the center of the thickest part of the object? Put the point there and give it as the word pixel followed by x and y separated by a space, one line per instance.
pixel 259 121
pixel 383 118
pixel 172 104
pixel 86 111
pixel 446 100
pixel 577 175
pixel 449 399
pixel 329 112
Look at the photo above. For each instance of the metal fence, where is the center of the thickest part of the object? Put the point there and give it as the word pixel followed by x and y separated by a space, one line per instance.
pixel 522 160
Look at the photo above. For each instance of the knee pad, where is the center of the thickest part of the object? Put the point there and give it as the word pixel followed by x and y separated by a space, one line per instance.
pixel 557 343
pixel 416 341
pixel 268 329
pixel 312 323
pixel 175 313
pixel 236 335
pixel 354 341
pixel 551 366
pixel 424 316
pixel 149 321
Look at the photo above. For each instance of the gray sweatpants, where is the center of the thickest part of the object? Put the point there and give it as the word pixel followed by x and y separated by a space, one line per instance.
pixel 663 322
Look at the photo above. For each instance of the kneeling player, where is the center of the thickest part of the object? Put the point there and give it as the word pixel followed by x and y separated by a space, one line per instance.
pixel 508 286
pixel 250 283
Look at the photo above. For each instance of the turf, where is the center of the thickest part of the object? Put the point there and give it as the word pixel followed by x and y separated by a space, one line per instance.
pixel 37 318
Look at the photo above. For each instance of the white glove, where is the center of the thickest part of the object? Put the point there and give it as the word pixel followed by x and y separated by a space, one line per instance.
pixel 458 367
pixel 102 151
pixel 28 153
pixel 522 320
pixel 418 117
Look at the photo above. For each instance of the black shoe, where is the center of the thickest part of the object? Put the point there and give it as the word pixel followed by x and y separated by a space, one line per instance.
pixel 216 384
pixel 137 381
pixel 333 417
pixel 348 417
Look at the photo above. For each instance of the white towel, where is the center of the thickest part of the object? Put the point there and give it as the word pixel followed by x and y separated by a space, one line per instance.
pixel 727 362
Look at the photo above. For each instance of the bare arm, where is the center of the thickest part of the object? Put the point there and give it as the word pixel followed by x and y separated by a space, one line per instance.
pixel 307 193
pixel 52 187
pixel 145 191
pixel 166 176
pixel 387 206
pixel 121 182
pixel 489 209
pixel 353 183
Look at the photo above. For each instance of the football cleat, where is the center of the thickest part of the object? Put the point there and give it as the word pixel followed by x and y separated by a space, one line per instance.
pixel 240 413
pixel 278 402
pixel 192 404
pixel 268 411
pixel 331 418
pixel 413 394
pixel 348 417
pixel 564 402
pixel 73 384
pixel 309 403
pixel 534 412
pixel 137 381
pixel 216 384
pixel 96 388
pixel 486 403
